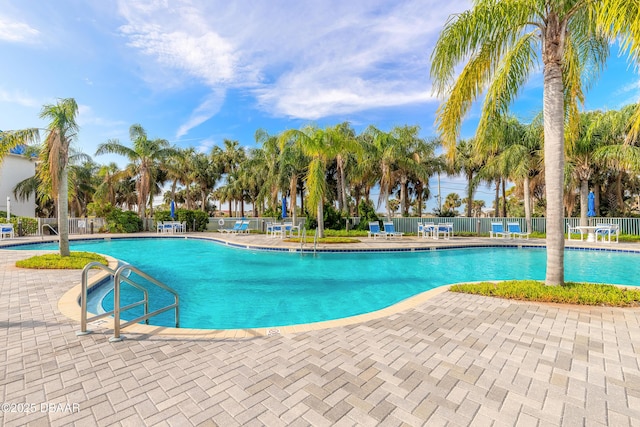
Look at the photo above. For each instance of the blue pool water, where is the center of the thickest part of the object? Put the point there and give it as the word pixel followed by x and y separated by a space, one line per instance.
pixel 221 287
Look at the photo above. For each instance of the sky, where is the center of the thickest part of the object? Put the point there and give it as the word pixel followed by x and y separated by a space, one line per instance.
pixel 196 72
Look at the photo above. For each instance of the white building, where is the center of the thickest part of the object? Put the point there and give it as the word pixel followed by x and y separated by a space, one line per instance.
pixel 13 169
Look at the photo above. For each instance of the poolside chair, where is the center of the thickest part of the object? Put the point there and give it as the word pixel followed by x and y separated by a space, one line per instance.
pixel 390 230
pixel 445 230
pixel 606 230
pixel 234 229
pixel 159 227
pixel 426 229
pixel 574 230
pixel 244 228
pixel 514 229
pixel 448 226
pixel 374 230
pixel 290 229
pixel 497 230
pixel 6 230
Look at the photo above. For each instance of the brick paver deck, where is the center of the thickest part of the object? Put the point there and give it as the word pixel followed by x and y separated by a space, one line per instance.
pixel 453 360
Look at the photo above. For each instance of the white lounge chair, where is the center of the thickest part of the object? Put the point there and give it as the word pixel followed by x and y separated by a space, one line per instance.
pixel 514 229
pixel 497 230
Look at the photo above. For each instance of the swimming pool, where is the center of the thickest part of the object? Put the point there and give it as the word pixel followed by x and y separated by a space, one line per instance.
pixel 222 287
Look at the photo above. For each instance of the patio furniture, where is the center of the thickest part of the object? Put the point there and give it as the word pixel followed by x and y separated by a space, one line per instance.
pixel 390 230
pixel 497 230
pixel 374 230
pixel 514 229
pixel 6 230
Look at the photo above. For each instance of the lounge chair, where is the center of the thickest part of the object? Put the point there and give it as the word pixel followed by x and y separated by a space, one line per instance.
pixel 233 229
pixel 374 230
pixel 159 227
pixel 244 228
pixel 390 230
pixel 497 230
pixel 514 228
pixel 6 230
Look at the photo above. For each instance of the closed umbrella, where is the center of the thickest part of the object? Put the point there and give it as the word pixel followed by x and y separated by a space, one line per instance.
pixel 173 210
pixel 284 206
pixel 591 205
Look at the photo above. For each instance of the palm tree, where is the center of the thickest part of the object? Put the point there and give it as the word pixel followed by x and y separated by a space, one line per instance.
pixel 320 145
pixel 383 144
pixel 12 138
pixel 500 42
pixel 469 162
pixel 145 157
pixel 62 130
pixel 109 176
pixel 521 156
pixel 619 149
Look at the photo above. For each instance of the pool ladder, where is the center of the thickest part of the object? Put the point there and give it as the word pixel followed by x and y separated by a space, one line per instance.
pixel 303 240
pixel 121 275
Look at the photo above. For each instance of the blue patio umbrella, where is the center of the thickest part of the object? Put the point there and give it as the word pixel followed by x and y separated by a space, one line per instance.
pixel 284 206
pixel 591 205
pixel 173 210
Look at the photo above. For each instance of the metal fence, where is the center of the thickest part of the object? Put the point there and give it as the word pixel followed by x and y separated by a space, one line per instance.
pixel 629 226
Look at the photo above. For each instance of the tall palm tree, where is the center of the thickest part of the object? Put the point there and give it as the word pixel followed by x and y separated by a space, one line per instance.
pixel 500 41
pixel 319 145
pixel 468 161
pixel 145 157
pixel 61 131
pixel 383 144
pixel 108 176
pixel 521 156
pixel 620 148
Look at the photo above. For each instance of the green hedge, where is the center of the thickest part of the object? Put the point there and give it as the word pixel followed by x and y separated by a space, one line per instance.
pixel 201 218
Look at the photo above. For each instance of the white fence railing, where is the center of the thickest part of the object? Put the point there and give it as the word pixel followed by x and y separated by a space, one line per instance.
pixel 630 226
pixel 483 225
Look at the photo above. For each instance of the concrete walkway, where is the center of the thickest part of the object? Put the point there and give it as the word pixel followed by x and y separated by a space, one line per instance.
pixel 452 360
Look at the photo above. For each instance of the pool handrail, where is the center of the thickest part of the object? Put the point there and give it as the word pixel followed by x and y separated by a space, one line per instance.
pixel 119 276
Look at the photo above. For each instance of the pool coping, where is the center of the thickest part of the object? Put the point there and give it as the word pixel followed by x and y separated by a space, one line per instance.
pixel 70 307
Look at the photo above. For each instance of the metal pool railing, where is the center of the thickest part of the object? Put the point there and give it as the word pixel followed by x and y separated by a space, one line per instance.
pixel 120 276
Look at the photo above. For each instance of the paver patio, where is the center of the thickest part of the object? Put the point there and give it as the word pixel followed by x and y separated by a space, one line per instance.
pixel 453 360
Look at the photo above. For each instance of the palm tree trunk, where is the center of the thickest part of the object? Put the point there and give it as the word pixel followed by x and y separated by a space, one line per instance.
pixel 293 186
pixel 320 219
pixel 527 203
pixel 497 201
pixel 619 198
pixel 553 111
pixel 469 195
pixel 63 213
pixel 584 200
pixel 504 198
pixel 403 194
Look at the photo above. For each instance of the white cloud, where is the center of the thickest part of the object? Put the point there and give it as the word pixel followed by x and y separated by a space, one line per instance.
pixel 15 97
pixel 17 31
pixel 86 116
pixel 207 109
pixel 304 60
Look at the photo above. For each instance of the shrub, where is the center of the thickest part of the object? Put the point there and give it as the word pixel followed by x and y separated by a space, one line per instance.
pixel 367 214
pixel 185 215
pixel 119 221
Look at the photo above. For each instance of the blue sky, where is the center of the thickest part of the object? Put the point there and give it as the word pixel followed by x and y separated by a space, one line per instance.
pixel 198 71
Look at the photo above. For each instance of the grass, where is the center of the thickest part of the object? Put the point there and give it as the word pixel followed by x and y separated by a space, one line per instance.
pixel 570 293
pixel 77 260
